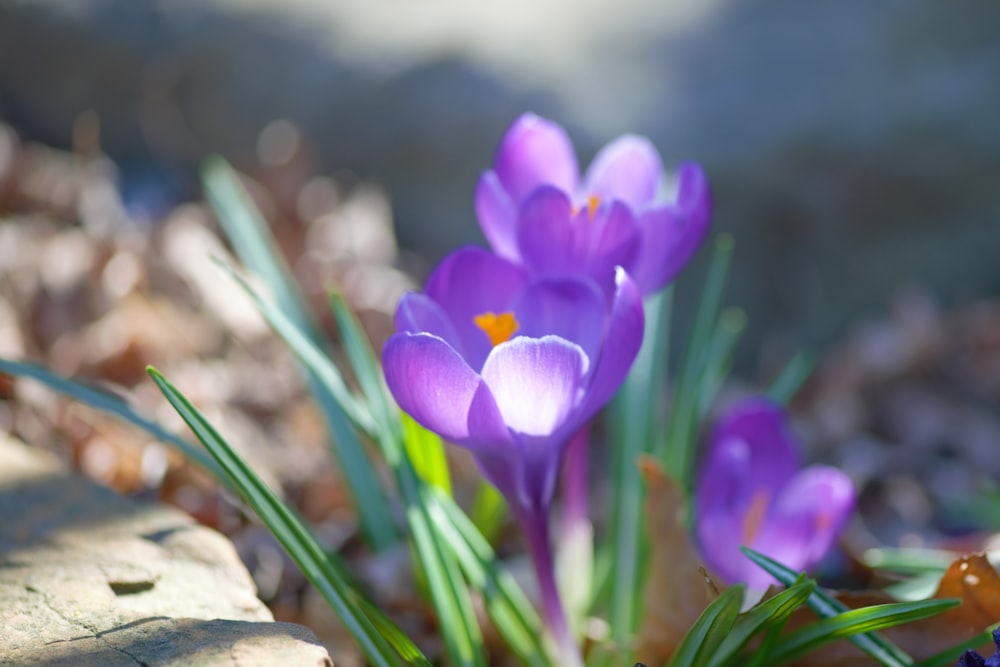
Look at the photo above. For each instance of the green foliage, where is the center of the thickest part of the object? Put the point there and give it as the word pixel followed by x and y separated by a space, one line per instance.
pixel 769 615
pixel 708 631
pixel 452 551
pixel 382 642
pixel 250 236
pixel 827 607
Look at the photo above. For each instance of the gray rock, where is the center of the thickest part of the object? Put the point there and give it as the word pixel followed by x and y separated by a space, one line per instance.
pixel 90 578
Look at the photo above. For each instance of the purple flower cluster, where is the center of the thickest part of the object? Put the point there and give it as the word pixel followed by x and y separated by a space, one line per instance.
pixel 751 492
pixel 509 365
pixel 508 353
pixel 536 210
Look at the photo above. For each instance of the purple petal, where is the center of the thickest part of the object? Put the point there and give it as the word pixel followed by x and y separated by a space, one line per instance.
pixel 505 471
pixel 620 347
pixel 822 498
pixel 751 454
pixel 753 447
pixel 555 242
pixel 629 169
pixel 748 492
pixel 470 282
pixel 418 313
pixel 671 234
pixel 497 215
pixel 571 309
pixel 536 382
pixel 534 152
pixel 431 382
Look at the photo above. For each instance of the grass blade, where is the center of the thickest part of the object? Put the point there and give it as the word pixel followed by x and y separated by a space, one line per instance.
pixel 708 631
pixel 853 622
pixel 456 616
pixel 251 237
pixel 677 449
pixel 791 378
pixel 489 509
pixel 770 613
pixel 511 611
pixel 296 539
pixel 719 358
pixel 640 402
pixel 426 450
pixel 107 402
pixel 252 240
pixel 878 647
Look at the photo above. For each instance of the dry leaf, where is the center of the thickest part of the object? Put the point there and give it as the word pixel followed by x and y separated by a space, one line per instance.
pixel 679 587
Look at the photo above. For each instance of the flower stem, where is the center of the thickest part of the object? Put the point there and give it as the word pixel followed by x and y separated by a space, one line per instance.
pixel 575 477
pixel 535 523
pixel 575 533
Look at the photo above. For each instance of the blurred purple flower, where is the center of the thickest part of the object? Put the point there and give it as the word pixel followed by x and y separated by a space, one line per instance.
pixel 510 366
pixel 972 659
pixel 751 492
pixel 535 209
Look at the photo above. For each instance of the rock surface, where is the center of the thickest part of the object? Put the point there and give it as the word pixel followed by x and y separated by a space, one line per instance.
pixel 90 578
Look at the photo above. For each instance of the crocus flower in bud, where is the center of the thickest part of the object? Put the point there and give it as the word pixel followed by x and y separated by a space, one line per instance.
pixel 536 210
pixel 509 366
pixel 751 492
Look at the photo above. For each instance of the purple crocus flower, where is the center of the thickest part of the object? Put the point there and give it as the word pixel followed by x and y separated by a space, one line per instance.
pixel 510 366
pixel 751 492
pixel 536 210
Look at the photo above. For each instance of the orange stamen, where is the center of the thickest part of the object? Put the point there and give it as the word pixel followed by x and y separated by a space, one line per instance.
pixel 499 328
pixel 593 201
pixel 755 515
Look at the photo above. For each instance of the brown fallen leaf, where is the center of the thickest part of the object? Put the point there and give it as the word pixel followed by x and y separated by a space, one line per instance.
pixel 970 578
pixel 679 587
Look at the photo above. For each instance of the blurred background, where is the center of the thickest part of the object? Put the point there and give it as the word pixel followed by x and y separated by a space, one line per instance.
pixel 853 147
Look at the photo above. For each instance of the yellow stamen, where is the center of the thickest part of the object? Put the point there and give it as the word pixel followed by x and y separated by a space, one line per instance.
pixel 499 328
pixel 593 201
pixel 755 515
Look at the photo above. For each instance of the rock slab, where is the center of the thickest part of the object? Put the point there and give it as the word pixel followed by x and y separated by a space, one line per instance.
pixel 90 578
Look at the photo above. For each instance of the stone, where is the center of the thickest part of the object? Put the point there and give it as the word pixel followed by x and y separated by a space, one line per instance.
pixel 88 577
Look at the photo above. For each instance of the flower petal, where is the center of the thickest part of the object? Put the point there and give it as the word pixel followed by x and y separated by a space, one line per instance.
pixel 536 383
pixel 807 517
pixel 497 215
pixel 418 313
pixel 470 282
pixel 671 234
pixel 553 241
pixel 622 340
pixel 752 446
pixel 823 499
pixel 629 169
pixel 571 309
pixel 533 152
pixel 431 382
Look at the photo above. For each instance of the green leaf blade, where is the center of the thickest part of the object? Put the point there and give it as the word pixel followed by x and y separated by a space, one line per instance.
pixel 322 572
